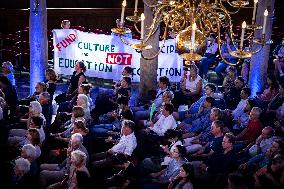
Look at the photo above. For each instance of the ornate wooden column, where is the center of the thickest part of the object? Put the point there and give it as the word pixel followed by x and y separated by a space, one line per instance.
pixel 148 68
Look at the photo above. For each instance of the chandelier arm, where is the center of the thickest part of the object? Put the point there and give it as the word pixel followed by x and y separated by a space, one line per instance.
pixel 136 28
pixel 258 50
pixel 230 33
pixel 152 31
pixel 124 41
pixel 150 6
pixel 160 50
pixel 235 12
pixel 154 28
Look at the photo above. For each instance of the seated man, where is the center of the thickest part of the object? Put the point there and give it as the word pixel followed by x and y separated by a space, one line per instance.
pixel 210 90
pixel 39 88
pixel 209 56
pixel 279 59
pixel 253 129
pixel 140 113
pixel 126 145
pixel 197 122
pixel 232 97
pixel 219 165
pixel 194 141
pixel 214 145
pixel 241 121
pixel 47 111
pixel 165 122
pixel 245 93
pixel 127 71
pixel 115 118
pixel 260 145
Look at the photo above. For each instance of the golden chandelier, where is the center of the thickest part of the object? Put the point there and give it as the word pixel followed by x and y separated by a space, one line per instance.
pixel 190 22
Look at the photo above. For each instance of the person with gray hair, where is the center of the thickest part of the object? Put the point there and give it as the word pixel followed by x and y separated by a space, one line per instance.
pixel 47 110
pixel 53 173
pixel 23 178
pixel 83 101
pixel 8 71
pixel 17 135
pixel 254 128
pixel 29 152
pixel 78 175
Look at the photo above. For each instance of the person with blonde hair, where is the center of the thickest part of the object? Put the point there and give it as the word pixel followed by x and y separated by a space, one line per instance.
pixel 83 101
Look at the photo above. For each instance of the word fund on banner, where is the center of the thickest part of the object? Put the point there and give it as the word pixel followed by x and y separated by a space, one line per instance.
pixel 105 56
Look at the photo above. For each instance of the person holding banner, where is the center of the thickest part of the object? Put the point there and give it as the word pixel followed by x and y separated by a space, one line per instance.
pixel 65 24
pixel 76 80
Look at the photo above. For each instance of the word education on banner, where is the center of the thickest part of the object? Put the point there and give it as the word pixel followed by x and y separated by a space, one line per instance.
pixel 105 55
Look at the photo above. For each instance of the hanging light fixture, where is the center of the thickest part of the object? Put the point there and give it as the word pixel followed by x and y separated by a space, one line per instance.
pixel 191 22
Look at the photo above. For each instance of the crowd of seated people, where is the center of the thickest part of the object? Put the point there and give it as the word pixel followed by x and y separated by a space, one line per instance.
pixel 223 139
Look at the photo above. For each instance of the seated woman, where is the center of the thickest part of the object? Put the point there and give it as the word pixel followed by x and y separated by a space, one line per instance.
pixel 76 80
pixel 229 80
pixel 78 113
pixel 155 163
pixel 51 78
pixel 32 137
pixel 21 170
pixel 191 87
pixel 83 101
pixel 78 174
pixel 68 105
pixel 184 179
pixel 162 179
pixel 35 110
pixel 270 92
pixel 8 71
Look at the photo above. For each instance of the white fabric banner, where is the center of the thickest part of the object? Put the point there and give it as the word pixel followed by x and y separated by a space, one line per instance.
pixel 106 55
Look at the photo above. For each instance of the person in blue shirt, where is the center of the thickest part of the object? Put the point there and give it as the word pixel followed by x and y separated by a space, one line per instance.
pixel 209 56
pixel 210 89
pixel 8 71
pixel 279 59
pixel 225 50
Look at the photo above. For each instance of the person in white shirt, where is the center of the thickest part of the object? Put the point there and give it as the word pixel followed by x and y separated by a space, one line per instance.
pixel 209 56
pixel 125 145
pixel 245 93
pixel 166 121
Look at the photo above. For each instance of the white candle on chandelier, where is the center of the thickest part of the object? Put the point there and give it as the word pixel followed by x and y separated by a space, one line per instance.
pixel 216 1
pixel 193 36
pixel 136 5
pixel 122 12
pixel 264 21
pixel 254 11
pixel 142 25
pixel 244 25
